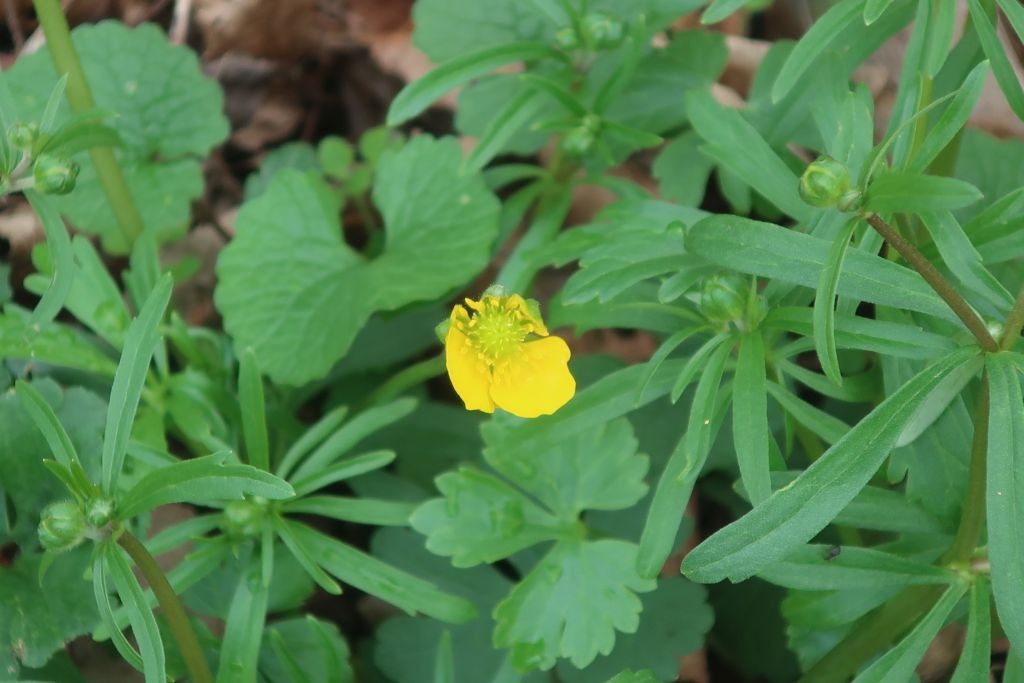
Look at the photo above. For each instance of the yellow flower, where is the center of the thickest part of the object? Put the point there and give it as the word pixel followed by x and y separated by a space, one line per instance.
pixel 499 354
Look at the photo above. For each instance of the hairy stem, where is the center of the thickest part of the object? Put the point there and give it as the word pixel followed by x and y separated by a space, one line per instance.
pixel 937 282
pixel 1014 323
pixel 65 59
pixel 972 519
pixel 174 612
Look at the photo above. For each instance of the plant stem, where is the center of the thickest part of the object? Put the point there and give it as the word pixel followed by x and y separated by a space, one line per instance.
pixel 172 608
pixel 876 631
pixel 934 278
pixel 407 378
pixel 1014 323
pixel 972 518
pixel 65 59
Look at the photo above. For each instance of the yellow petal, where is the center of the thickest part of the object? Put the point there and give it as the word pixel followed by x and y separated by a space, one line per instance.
pixel 468 373
pixel 517 302
pixel 535 380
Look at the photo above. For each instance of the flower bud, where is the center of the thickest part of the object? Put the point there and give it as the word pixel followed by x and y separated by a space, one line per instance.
pixel 62 526
pixel 567 39
pixel 23 135
pixel 98 512
pixel 54 175
pixel 602 31
pixel 723 298
pixel 242 519
pixel 578 141
pixel 826 183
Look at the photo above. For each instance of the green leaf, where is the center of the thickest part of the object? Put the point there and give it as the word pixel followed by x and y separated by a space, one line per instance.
pixel 447 29
pixel 304 558
pixel 1005 484
pixel 101 592
pixel 308 646
pixel 543 618
pixel 201 480
pixel 682 171
pixel 26 484
pixel 825 33
pixel 974 662
pixel 514 116
pixel 953 119
pixel 423 92
pixel 37 618
pixel 254 411
pixel 243 630
pixel 898 340
pixel 167 124
pixel 825 302
pixel 794 514
pixel 359 510
pixel 767 250
pixel 641 676
pixel 49 425
pixel 684 466
pixel 144 627
pixel 444 666
pixel 674 621
pixel 344 469
pixel 895 191
pixel 750 432
pixel 59 245
pixel 351 433
pixel 481 519
pixel 873 9
pixel 737 145
pixel 899 663
pixel 599 469
pixel 878 509
pixel 720 9
pixel 439 225
pixel 827 426
pixel 1002 69
pixel 139 344
pixel 368 574
pixel 814 568
pixel 963 259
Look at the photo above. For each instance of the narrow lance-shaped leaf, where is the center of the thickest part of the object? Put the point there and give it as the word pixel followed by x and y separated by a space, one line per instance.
pixel 201 480
pixel 737 145
pixel 240 648
pixel 254 411
pixel 898 664
pixel 422 92
pixel 144 627
pixel 974 658
pixel 139 344
pixel 912 192
pixel 795 513
pixel 821 35
pixel 682 469
pixel 369 574
pixel 1004 495
pixel 825 304
pixel 1002 69
pixel 59 245
pixel 101 593
pixel 750 417
pixel 952 120
pixel 776 253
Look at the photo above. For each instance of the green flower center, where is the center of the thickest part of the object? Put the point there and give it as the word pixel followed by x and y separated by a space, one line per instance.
pixel 497 329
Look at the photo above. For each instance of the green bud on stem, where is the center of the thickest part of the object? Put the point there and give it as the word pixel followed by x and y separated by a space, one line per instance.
pixel 723 298
pixel 826 184
pixel 62 526
pixel 54 175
